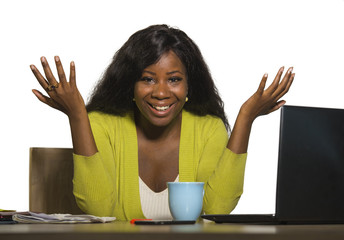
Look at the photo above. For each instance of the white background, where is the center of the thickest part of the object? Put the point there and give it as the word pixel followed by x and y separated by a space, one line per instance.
pixel 240 40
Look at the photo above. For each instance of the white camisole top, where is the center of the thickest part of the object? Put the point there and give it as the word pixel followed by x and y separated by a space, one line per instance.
pixel 154 205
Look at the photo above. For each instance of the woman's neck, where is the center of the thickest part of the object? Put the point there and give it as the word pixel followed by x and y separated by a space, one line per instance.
pixel 156 133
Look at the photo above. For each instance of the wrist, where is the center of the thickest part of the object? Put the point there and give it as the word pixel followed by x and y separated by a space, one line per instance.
pixel 238 141
pixel 78 116
pixel 245 116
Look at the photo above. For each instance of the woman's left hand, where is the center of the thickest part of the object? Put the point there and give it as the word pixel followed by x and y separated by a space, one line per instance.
pixel 265 101
pixel 260 103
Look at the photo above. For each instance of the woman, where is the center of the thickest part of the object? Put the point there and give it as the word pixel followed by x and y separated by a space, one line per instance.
pixel 155 117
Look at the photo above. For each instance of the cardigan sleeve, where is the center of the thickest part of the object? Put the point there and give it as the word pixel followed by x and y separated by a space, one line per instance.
pixel 222 171
pixel 94 181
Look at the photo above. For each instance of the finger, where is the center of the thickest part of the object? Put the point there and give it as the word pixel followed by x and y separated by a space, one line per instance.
pixel 277 106
pixel 42 81
pixel 286 78
pixel 48 74
pixel 261 87
pixel 282 87
pixel 50 102
pixel 72 75
pixel 41 97
pixel 275 83
pixel 286 88
pixel 60 71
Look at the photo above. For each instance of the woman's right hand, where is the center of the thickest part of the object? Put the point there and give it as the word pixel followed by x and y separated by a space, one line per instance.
pixel 63 95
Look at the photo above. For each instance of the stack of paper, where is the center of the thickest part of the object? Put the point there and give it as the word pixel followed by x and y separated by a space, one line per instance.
pixel 59 218
pixel 6 216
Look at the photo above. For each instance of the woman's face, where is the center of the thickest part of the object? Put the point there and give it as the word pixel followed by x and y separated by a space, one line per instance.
pixel 161 91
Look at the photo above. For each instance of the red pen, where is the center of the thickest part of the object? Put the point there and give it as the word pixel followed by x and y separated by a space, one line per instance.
pixel 134 220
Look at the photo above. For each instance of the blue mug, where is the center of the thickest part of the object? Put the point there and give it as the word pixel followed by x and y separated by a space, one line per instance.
pixel 185 200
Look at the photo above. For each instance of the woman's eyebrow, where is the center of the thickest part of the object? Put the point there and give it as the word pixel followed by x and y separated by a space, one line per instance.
pixel 152 73
pixel 169 73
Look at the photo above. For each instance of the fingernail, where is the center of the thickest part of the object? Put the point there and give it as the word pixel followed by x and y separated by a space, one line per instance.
pixel 291 69
pixel 32 67
pixel 43 59
pixel 57 58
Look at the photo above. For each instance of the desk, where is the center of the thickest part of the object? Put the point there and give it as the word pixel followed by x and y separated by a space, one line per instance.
pixel 199 231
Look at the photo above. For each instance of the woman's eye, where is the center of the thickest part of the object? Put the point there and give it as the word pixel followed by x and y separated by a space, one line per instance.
pixel 175 79
pixel 147 79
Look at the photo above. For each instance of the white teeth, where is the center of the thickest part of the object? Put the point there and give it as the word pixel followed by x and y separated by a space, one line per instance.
pixel 161 108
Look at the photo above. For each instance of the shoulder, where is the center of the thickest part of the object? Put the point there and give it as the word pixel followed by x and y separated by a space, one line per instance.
pixel 107 120
pixel 203 127
pixel 101 116
pixel 205 122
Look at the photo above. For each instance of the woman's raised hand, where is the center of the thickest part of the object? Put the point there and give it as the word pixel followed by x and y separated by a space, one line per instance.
pixel 63 95
pixel 265 101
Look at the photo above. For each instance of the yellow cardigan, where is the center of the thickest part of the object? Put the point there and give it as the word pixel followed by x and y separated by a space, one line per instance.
pixel 107 183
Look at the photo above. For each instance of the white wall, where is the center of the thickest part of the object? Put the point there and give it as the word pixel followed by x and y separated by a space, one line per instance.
pixel 241 40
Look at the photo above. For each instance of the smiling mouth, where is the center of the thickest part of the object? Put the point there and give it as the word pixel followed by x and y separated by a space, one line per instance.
pixel 160 108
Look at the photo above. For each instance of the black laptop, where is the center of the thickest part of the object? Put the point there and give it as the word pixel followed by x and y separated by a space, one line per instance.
pixel 310 176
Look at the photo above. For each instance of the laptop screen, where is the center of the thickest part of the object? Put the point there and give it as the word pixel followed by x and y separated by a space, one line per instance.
pixel 310 182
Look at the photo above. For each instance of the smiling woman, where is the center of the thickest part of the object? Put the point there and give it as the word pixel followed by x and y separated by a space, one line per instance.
pixel 155 117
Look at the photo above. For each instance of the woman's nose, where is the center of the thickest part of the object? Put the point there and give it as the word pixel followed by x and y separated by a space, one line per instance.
pixel 160 91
